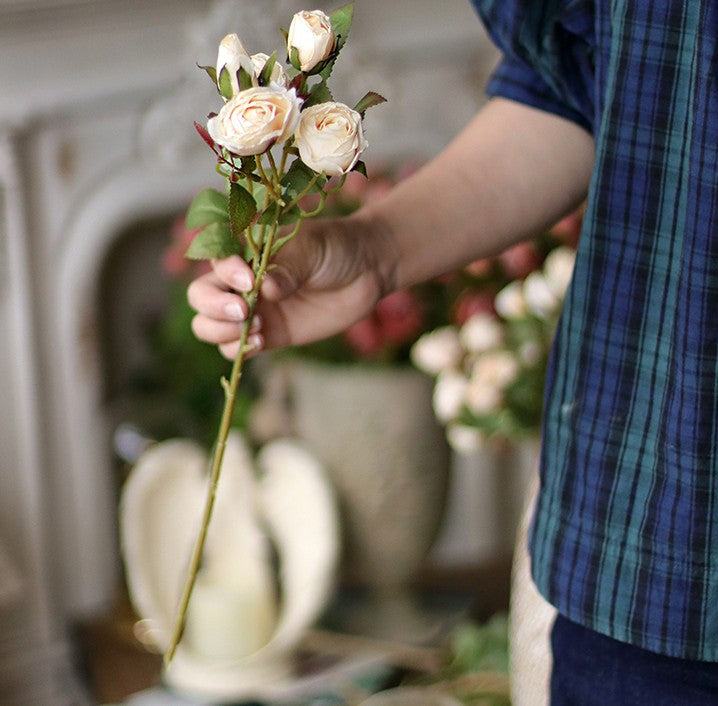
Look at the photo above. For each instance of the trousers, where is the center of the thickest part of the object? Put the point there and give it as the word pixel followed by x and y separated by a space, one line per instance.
pixel 591 669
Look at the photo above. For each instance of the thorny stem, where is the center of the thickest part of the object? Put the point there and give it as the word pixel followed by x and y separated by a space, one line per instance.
pixel 230 389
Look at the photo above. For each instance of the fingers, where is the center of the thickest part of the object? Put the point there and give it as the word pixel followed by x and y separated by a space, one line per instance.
pixel 221 310
pixel 235 273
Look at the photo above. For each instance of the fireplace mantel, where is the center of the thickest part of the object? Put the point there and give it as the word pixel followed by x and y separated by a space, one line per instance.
pixel 98 98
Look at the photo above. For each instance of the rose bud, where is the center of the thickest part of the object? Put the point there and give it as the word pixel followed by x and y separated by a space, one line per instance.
pixel 278 75
pixel 330 138
pixel 230 56
pixel 311 34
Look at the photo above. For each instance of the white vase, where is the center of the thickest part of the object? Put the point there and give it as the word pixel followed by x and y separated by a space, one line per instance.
pixel 375 430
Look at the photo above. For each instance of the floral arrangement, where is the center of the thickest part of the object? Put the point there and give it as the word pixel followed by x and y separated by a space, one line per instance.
pixel 490 363
pixel 279 137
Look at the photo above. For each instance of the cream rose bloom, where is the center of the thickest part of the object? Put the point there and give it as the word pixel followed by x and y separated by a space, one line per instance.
pixel 540 298
pixel 558 269
pixel 311 34
pixel 481 332
pixel 449 395
pixel 510 302
pixel 437 350
pixel 255 119
pixel 330 138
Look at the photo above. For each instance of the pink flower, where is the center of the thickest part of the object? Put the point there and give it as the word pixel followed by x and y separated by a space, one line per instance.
pixel 396 320
pixel 173 262
pixel 470 302
pixel 569 228
pixel 519 260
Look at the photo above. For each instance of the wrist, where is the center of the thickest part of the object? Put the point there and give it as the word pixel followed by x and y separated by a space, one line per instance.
pixel 376 240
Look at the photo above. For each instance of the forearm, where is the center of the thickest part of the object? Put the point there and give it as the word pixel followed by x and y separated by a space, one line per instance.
pixel 513 172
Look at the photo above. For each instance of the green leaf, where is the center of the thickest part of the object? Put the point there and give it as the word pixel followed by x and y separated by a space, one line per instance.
pixel 244 79
pixel 369 100
pixel 294 59
pixel 319 94
pixel 341 20
pixel 286 218
pixel 297 178
pixel 249 164
pixel 225 84
pixel 360 167
pixel 266 74
pixel 214 241
pixel 209 206
pixel 211 72
pixel 242 209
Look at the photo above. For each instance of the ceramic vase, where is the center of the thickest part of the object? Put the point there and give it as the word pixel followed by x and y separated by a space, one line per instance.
pixel 375 430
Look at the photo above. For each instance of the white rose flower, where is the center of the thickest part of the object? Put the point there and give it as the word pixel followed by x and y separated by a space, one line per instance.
pixel 539 297
pixel 255 119
pixel 558 268
pixel 278 77
pixel 330 138
pixel 509 302
pixel 465 439
pixel 311 34
pixel 498 368
pixel 482 397
pixel 449 394
pixel 437 350
pixel 481 332
pixel 231 55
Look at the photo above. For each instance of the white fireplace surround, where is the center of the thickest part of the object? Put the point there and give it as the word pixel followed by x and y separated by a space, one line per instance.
pixel 96 107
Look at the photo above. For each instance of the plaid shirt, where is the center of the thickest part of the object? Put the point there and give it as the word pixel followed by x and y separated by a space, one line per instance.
pixel 625 538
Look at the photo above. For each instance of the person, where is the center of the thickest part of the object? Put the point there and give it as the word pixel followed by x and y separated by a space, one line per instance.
pixel 615 102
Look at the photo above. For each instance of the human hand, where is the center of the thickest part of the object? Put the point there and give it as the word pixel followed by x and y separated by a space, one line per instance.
pixel 328 277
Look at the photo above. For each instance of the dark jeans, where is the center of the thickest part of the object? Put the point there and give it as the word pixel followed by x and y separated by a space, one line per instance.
pixel 593 670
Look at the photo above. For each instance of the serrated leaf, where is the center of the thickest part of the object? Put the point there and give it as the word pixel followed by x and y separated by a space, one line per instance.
pixel 225 84
pixel 266 75
pixel 319 94
pixel 211 72
pixel 214 241
pixel 286 218
pixel 297 178
pixel 242 209
pixel 369 100
pixel 341 20
pixel 209 206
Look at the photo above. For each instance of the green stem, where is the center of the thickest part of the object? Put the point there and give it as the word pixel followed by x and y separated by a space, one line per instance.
pixel 230 397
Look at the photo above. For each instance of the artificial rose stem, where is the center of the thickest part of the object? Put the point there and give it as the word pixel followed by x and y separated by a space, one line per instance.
pixel 230 397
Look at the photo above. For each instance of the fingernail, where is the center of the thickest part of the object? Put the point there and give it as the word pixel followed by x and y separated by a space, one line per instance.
pixel 234 311
pixel 256 322
pixel 255 342
pixel 242 281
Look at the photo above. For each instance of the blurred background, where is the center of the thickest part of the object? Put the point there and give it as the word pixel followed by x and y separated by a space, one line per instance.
pixel 98 160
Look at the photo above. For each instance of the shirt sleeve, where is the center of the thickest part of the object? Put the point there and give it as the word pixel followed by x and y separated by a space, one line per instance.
pixel 517 81
pixel 548 51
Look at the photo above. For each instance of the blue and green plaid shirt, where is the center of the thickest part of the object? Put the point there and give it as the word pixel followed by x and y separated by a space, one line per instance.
pixel 625 538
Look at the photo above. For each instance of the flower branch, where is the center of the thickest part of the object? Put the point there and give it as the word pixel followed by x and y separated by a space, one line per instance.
pixel 263 108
